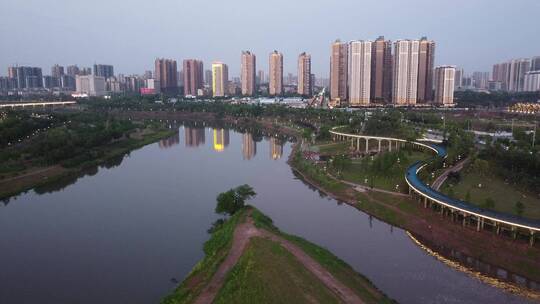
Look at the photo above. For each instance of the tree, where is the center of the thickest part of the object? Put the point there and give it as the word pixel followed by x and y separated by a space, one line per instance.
pixel 519 208
pixel 231 201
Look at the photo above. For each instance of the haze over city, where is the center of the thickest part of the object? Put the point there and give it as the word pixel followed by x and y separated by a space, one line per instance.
pixel 131 34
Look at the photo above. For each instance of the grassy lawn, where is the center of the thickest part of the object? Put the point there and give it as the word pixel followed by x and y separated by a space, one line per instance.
pixel 268 273
pixel 494 187
pixel 333 148
pixel 338 268
pixel 359 171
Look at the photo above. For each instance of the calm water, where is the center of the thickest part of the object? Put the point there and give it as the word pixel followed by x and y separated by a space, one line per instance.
pixel 122 234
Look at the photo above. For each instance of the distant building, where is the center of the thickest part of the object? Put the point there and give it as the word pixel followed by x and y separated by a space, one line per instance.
pixel 480 80
pixel 338 72
pixel 208 78
pixel 359 73
pixel 67 82
pixel 57 71
pixel 103 70
pixel 193 76
pixel 405 80
pixel 381 70
pixel 260 77
pixel 535 63
pixel 426 60
pixel 26 77
pixel 275 74
pixel 444 85
pixel 247 75
pixel 220 79
pixel 458 79
pixel 517 69
pixel 305 83
pixel 90 84
pixel 166 74
pixel 532 81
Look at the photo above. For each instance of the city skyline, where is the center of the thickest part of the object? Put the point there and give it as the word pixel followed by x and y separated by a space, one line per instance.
pixel 127 50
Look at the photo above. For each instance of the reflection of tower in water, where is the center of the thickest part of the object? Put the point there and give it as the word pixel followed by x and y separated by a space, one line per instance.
pixel 276 148
pixel 169 142
pixel 249 146
pixel 194 136
pixel 221 139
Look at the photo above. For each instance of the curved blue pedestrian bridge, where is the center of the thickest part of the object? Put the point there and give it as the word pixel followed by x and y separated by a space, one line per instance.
pixel 458 210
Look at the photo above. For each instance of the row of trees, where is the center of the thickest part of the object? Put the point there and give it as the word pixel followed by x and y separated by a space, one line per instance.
pixel 81 139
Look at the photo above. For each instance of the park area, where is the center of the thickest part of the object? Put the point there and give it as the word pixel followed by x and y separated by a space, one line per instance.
pixel 491 191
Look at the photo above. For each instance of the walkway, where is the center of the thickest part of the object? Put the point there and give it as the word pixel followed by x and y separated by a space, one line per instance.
pixel 455 207
pixel 243 233
pixel 437 183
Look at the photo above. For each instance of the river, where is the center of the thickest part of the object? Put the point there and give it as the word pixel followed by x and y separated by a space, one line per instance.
pixel 128 231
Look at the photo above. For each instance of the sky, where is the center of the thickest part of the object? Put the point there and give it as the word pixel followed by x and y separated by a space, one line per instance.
pixel 130 34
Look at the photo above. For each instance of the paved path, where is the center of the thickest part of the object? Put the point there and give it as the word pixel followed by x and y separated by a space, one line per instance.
pixel 243 233
pixel 362 188
pixel 437 183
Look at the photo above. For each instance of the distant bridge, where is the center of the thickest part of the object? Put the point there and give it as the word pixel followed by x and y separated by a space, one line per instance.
pixel 458 210
pixel 36 104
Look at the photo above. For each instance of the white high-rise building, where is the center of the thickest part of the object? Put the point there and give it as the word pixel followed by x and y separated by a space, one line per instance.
pixel 516 74
pixel 532 81
pixel 444 84
pixel 405 80
pixel 359 73
pixel 90 85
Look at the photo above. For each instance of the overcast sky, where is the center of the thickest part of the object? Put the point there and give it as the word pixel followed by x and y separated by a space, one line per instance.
pixel 130 34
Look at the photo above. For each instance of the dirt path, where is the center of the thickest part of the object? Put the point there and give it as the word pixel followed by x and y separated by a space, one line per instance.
pixel 243 233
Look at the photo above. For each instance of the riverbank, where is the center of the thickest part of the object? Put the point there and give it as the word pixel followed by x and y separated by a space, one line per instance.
pixel 43 176
pixel 516 257
pixel 249 260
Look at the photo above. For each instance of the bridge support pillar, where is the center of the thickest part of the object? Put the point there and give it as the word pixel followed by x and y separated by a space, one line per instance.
pixel 531 238
pixel 379 145
pixel 358 144
pixel 498 228
pixel 464 223
pixel 390 146
pixel 425 202
pixel 478 224
pixel 367 145
pixel 514 232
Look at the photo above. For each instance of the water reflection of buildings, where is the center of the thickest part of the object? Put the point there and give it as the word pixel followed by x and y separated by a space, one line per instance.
pixel 221 139
pixel 169 142
pixel 194 136
pixel 484 272
pixel 276 148
pixel 249 146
